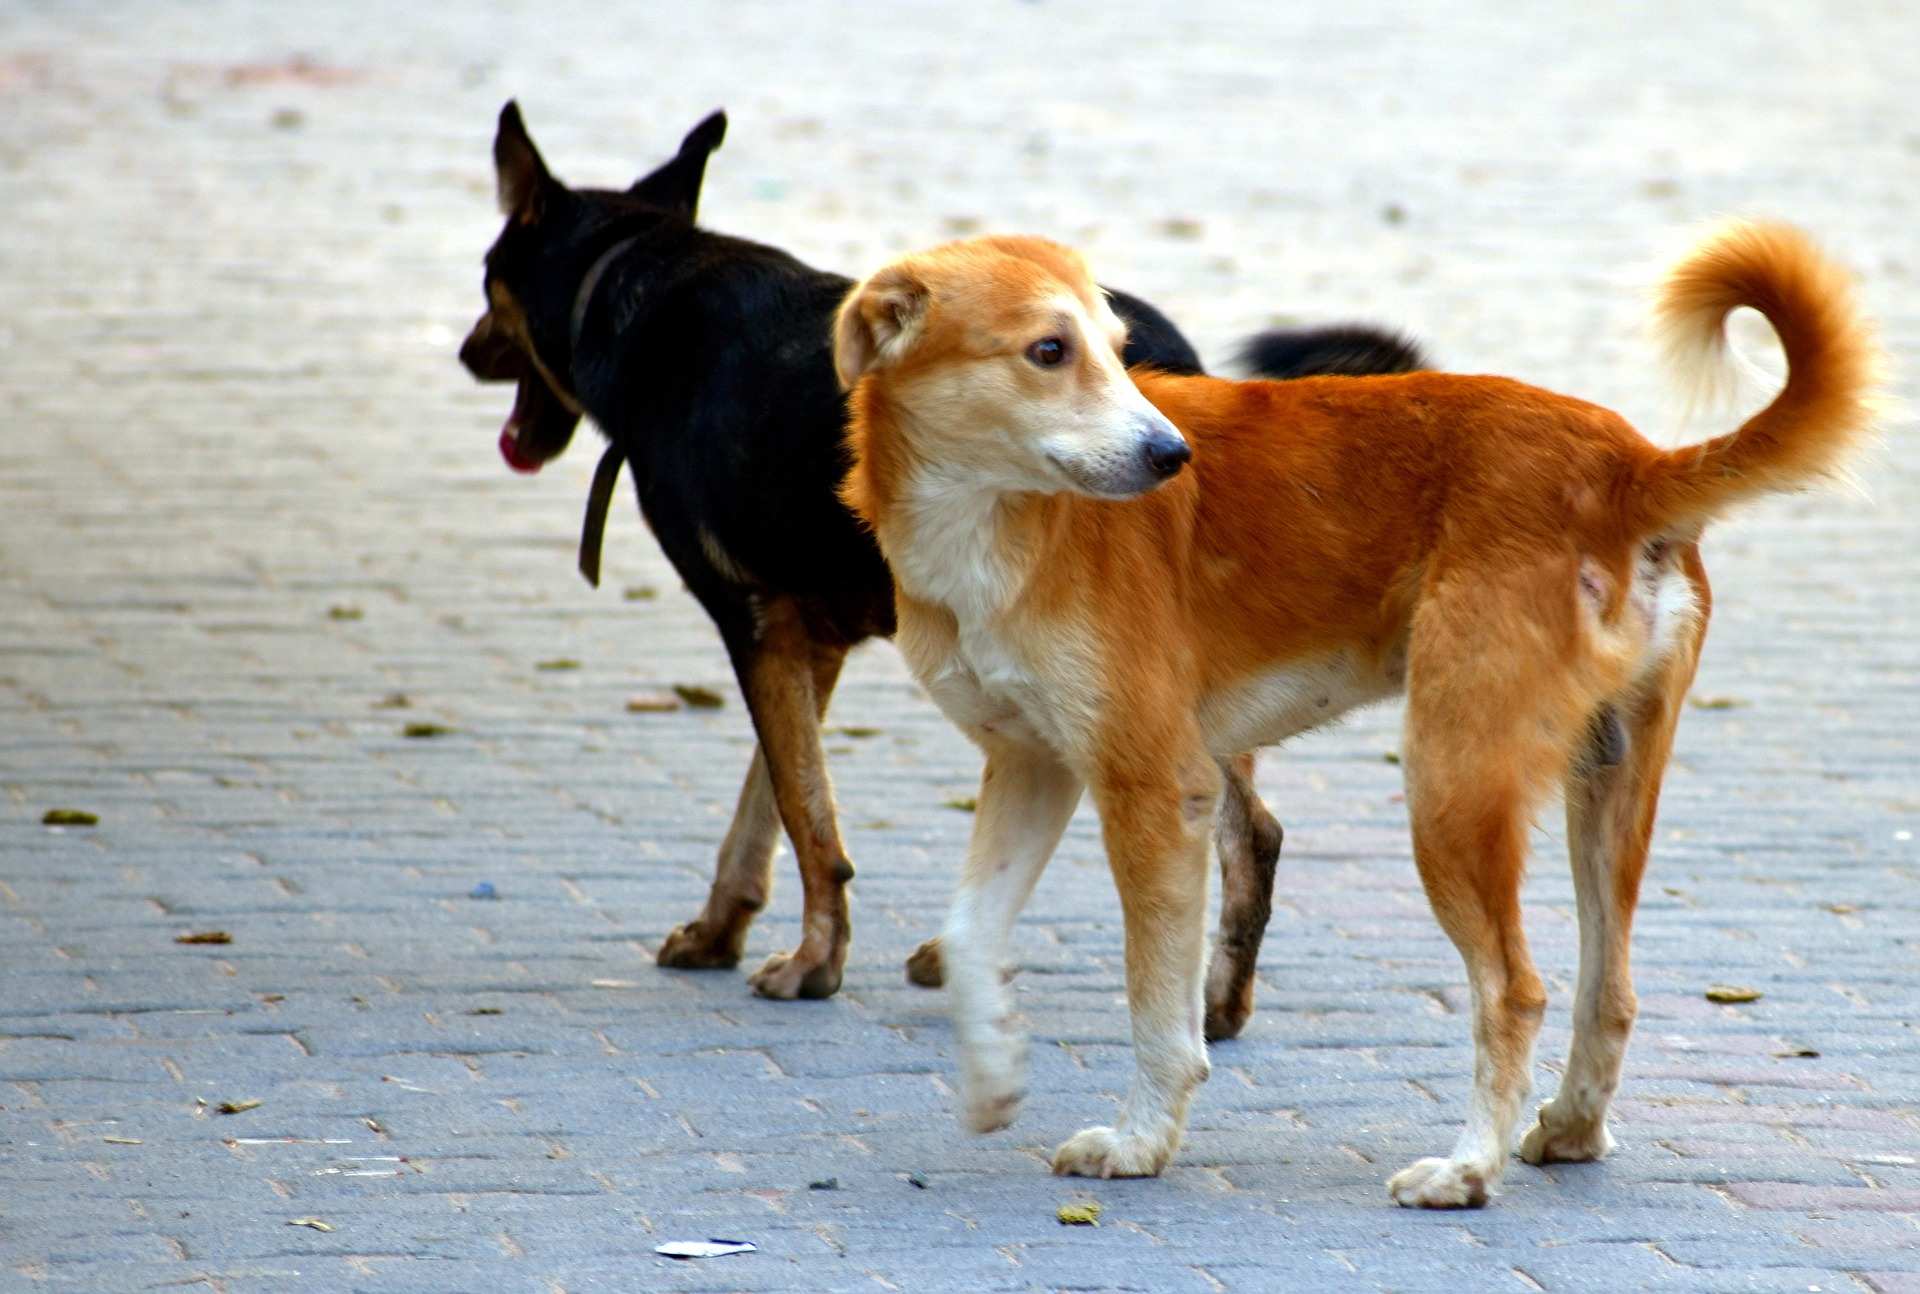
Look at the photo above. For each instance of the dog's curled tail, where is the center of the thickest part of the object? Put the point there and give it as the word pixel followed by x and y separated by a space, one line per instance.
pixel 1823 413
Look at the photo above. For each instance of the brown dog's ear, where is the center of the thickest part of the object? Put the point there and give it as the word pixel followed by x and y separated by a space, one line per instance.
pixel 520 176
pixel 878 322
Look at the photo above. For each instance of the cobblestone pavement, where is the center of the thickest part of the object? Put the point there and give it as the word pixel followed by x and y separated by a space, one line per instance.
pixel 248 496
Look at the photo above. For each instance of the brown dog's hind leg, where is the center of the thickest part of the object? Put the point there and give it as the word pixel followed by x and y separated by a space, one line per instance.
pixel 1610 814
pixel 1471 850
pixel 788 682
pixel 1492 718
pixel 742 881
pixel 1247 838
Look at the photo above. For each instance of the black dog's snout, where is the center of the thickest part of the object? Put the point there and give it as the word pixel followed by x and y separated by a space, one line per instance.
pixel 1166 454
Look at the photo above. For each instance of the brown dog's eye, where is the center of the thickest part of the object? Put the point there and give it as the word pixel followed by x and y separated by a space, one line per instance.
pixel 1047 352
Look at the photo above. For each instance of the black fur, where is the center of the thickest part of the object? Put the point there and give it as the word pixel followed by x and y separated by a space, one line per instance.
pixel 1351 350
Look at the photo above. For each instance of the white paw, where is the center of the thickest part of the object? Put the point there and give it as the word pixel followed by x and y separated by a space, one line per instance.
pixel 994 1082
pixel 1108 1152
pixel 1439 1184
pixel 1547 1143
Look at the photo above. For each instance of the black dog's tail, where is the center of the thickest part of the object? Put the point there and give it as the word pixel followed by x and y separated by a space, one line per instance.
pixel 1338 350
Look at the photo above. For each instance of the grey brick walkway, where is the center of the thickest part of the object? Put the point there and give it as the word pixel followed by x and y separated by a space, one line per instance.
pixel 246 495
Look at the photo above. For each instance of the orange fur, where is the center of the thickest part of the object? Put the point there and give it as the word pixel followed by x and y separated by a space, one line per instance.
pixel 1521 564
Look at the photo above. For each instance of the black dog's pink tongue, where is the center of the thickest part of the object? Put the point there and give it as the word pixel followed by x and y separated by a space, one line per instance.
pixel 517 458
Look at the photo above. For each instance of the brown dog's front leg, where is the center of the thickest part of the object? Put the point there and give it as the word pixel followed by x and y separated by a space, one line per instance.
pixel 1155 821
pixel 1247 838
pixel 788 682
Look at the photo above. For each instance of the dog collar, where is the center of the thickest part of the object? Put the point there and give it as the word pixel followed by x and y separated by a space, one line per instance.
pixel 593 526
pixel 588 283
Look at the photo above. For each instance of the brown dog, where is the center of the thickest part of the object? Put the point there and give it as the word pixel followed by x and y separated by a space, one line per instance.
pixel 1523 566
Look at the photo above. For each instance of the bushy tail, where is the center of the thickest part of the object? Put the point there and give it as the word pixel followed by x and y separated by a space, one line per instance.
pixel 1823 413
pixel 1347 350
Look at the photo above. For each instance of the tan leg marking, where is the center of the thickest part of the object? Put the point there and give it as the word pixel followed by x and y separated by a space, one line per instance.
pixel 788 685
pixel 742 881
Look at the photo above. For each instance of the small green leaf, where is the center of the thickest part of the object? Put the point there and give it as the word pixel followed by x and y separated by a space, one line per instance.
pixel 700 698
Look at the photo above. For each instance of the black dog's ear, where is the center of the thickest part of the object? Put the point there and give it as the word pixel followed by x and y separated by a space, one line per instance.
pixel 675 184
pixel 521 177
pixel 878 322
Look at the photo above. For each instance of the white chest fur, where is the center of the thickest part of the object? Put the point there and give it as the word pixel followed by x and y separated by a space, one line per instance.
pixel 989 691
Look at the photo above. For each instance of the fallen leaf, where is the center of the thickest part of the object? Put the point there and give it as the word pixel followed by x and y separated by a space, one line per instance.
pixel 204 937
pixel 271 998
pixel 345 613
pixel 1182 227
pixel 1797 1053
pixel 486 1010
pixel 425 730
pixel 1730 993
pixel 123 1141
pixel 557 664
pixel 652 703
pixel 315 1223
pixel 964 803
pixel 1084 1214
pixel 640 593
pixel 704 1248
pixel 1842 909
pixel 700 698
pixel 825 1184
pixel 854 730
pixel 69 818
pixel 1390 757
pixel 1715 702
pixel 239 1107
pixel 917 1180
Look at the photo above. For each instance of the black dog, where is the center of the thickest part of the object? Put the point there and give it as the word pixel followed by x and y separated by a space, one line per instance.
pixel 706 360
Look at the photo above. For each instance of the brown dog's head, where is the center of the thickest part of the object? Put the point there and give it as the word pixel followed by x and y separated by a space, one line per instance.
pixel 997 364
pixel 544 262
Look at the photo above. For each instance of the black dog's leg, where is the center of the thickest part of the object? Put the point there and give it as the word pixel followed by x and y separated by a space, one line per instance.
pixel 742 881
pixel 1248 840
pixel 788 677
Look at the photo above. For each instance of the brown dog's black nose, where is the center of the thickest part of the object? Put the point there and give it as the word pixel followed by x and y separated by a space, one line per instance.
pixel 1166 455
